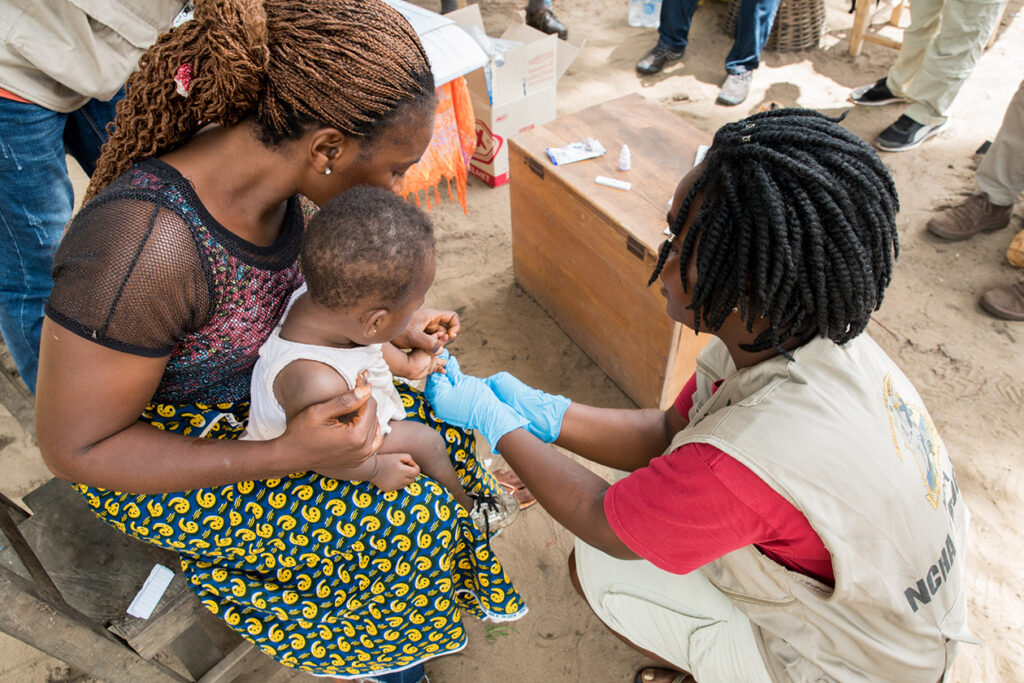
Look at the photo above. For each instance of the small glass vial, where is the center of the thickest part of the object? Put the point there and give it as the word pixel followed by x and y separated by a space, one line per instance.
pixel 624 159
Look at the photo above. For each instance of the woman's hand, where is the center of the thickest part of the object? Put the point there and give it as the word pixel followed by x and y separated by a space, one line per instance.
pixel 338 433
pixel 466 401
pixel 429 329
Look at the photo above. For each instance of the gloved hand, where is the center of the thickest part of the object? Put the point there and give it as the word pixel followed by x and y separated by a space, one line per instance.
pixel 544 411
pixel 466 401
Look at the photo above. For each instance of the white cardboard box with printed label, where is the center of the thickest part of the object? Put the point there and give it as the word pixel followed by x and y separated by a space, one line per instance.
pixel 522 92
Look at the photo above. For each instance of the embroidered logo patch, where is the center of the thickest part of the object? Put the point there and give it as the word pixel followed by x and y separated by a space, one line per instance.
pixel 914 433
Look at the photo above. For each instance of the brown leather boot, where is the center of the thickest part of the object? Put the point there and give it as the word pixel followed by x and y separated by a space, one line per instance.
pixel 1005 302
pixel 975 214
pixel 546 21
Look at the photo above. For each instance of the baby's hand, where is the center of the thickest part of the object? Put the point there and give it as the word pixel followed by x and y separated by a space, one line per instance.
pixel 397 470
pixel 422 364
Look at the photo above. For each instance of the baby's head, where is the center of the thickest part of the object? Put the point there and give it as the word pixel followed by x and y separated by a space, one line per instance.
pixel 789 224
pixel 369 254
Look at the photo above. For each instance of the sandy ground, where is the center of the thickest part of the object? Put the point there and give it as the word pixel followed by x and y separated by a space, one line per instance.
pixel 961 360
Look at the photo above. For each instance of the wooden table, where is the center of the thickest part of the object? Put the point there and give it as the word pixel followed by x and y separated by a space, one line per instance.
pixel 585 251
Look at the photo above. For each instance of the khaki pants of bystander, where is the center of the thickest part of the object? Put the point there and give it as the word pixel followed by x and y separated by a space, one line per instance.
pixel 940 48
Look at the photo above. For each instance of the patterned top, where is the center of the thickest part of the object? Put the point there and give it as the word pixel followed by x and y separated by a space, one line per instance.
pixel 174 283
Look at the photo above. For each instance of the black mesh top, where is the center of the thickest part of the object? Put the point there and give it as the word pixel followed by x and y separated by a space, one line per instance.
pixel 146 270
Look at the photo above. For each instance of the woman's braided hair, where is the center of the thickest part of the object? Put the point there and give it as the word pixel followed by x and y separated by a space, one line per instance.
pixel 797 224
pixel 284 64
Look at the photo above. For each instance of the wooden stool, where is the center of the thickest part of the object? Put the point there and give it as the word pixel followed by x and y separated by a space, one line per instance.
pixel 66 579
pixel 859 33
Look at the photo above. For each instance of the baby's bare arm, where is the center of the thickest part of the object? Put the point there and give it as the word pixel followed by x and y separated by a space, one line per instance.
pixel 415 364
pixel 365 471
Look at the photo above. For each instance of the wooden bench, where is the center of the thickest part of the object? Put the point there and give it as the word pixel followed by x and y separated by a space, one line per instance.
pixel 66 579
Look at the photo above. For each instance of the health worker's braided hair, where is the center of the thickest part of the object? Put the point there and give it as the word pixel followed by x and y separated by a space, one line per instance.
pixel 797 224
pixel 287 65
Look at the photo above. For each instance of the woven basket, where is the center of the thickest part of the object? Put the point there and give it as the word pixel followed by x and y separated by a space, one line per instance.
pixel 799 24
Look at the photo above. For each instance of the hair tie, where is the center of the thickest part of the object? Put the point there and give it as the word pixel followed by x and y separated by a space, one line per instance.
pixel 183 80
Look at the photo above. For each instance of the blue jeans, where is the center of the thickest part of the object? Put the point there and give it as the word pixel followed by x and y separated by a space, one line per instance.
pixel 753 25
pixel 36 199
pixel 413 675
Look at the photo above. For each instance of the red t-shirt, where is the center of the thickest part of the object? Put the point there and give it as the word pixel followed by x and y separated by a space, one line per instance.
pixel 8 95
pixel 697 503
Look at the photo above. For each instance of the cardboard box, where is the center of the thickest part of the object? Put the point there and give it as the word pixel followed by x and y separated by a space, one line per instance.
pixel 522 92
pixel 586 251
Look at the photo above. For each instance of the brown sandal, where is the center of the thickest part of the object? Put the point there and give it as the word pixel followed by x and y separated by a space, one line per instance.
pixel 514 486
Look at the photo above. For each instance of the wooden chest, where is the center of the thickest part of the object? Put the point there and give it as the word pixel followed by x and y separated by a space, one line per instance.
pixel 585 251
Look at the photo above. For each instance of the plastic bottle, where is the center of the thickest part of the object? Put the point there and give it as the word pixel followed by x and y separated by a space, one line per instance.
pixel 644 13
pixel 624 159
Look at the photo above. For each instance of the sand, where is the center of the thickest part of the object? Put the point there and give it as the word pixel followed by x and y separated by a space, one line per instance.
pixel 960 359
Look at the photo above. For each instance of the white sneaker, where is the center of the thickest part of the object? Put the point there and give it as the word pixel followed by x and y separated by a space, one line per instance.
pixel 736 88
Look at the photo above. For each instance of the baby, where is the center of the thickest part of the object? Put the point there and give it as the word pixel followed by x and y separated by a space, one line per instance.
pixel 368 261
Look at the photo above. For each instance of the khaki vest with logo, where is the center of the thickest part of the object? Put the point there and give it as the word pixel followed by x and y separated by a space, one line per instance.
pixel 61 53
pixel 843 436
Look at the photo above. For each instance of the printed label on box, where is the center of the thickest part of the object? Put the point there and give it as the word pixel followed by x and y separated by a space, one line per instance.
pixel 541 71
pixel 487 143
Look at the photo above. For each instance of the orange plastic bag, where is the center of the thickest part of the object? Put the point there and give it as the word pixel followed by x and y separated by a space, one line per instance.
pixel 447 157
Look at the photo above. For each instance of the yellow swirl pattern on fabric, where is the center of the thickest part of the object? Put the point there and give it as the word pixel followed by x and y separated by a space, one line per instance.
pixel 326 576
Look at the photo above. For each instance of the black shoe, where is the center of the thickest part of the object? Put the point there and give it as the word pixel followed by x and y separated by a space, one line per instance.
pixel 546 21
pixel 655 60
pixel 905 134
pixel 874 95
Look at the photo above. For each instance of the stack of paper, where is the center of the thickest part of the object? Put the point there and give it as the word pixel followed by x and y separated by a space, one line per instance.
pixel 452 52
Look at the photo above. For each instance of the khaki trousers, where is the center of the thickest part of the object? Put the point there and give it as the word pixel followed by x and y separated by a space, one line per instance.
pixel 1001 173
pixel 939 51
pixel 682 618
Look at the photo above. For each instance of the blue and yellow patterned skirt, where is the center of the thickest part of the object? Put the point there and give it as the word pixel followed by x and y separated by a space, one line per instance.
pixel 331 577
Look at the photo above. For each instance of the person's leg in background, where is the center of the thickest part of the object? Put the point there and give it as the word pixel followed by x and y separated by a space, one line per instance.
pixel 36 199
pixel 1001 180
pixel 753 26
pixel 35 205
pixel 86 131
pixel 673 33
pixel 541 16
pixel 1001 172
pixel 930 81
pixel 925 21
pixel 414 674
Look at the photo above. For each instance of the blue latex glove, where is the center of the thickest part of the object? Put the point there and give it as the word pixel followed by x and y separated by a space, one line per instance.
pixel 544 411
pixel 466 401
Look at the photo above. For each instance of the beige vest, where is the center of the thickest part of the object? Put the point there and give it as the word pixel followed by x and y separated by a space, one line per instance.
pixel 842 435
pixel 61 53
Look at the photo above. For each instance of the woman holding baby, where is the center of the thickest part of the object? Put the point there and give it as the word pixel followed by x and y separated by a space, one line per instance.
pixel 175 272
